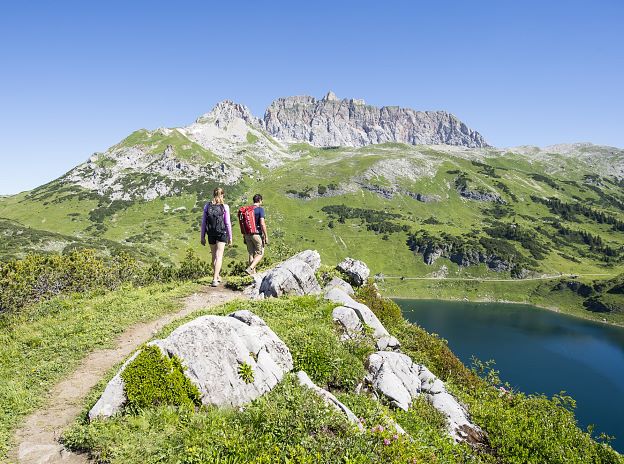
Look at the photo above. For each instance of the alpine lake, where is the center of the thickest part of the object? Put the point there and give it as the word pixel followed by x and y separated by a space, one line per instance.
pixel 537 351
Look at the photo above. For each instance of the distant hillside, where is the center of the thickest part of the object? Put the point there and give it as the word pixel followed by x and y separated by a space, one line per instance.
pixel 408 210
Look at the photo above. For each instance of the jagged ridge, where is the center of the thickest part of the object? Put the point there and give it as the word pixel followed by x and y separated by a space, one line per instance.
pixel 333 122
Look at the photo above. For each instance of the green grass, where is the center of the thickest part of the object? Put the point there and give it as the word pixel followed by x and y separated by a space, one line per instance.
pixel 301 223
pixel 291 424
pixel 45 342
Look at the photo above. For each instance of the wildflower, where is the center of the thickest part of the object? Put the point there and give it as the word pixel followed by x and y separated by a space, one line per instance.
pixel 395 437
pixel 386 442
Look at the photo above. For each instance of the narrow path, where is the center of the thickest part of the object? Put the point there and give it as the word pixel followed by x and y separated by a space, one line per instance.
pixel 37 440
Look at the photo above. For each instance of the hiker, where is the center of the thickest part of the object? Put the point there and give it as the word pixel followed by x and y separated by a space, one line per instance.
pixel 253 228
pixel 216 224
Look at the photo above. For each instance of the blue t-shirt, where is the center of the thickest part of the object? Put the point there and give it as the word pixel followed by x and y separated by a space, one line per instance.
pixel 258 213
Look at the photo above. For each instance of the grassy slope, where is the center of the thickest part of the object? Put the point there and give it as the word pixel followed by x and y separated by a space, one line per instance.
pixel 302 224
pixel 291 425
pixel 47 341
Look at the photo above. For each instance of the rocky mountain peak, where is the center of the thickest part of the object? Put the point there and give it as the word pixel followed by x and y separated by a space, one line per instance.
pixel 225 112
pixel 331 96
pixel 331 121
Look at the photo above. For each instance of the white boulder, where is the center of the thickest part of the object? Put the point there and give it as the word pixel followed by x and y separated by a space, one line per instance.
pixel 212 348
pixel 363 312
pixel 339 283
pixel 357 271
pixel 295 276
pixel 396 377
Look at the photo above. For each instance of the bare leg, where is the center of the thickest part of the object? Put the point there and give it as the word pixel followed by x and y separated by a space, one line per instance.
pixel 218 261
pixel 213 251
pixel 254 262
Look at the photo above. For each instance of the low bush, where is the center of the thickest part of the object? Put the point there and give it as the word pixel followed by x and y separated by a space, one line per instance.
pixel 153 379
pixel 39 277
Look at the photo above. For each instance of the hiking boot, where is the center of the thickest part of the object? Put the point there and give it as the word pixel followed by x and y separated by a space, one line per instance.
pixel 250 271
pixel 214 283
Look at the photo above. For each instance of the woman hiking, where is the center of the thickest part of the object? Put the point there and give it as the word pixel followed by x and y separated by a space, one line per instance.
pixel 216 224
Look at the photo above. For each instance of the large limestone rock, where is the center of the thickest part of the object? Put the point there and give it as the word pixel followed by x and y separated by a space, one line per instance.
pixel 354 317
pixel 212 348
pixel 362 311
pixel 357 271
pixel 295 276
pixel 332 122
pixel 396 377
pixel 329 399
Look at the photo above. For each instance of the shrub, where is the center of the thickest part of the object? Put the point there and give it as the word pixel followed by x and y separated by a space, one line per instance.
pixel 153 379
pixel 238 282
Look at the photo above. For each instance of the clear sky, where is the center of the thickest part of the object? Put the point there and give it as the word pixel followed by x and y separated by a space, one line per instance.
pixel 78 76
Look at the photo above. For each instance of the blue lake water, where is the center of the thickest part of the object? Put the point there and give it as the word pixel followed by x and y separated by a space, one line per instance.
pixel 537 351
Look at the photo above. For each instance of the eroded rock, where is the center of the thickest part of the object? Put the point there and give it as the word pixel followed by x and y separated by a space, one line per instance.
pixel 295 276
pixel 212 348
pixel 357 271
pixel 397 378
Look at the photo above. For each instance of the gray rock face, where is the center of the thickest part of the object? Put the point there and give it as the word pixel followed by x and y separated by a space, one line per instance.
pixel 329 399
pixel 295 276
pixel 396 377
pixel 363 312
pixel 213 348
pixel 349 321
pixel 341 284
pixel 357 271
pixel 331 122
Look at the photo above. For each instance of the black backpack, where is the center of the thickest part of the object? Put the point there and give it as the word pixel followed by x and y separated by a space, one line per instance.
pixel 215 225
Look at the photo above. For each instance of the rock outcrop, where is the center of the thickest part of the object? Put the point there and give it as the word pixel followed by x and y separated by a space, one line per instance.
pixel 356 318
pixel 295 276
pixel 397 378
pixel 212 348
pixel 332 122
pixel 357 271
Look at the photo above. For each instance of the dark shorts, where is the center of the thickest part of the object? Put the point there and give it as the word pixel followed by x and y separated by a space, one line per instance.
pixel 213 239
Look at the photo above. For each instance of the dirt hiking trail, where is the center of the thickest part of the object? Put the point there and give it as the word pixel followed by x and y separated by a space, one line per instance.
pixel 36 442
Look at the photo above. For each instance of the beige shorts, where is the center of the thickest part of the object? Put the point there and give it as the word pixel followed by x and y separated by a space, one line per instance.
pixel 254 244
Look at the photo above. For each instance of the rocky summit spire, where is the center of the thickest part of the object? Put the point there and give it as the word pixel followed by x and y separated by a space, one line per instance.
pixel 331 122
pixel 331 96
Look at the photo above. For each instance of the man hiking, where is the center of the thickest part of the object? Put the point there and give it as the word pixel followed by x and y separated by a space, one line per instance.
pixel 253 228
pixel 216 224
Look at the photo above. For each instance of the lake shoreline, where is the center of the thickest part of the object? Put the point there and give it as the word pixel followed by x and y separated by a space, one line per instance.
pixel 554 309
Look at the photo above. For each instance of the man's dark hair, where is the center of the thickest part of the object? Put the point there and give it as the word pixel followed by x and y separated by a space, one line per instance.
pixel 257 198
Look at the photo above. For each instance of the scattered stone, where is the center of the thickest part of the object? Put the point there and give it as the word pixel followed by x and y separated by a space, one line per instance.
pixel 388 343
pixel 363 312
pixel 357 271
pixel 396 377
pixel 295 276
pixel 350 322
pixel 329 399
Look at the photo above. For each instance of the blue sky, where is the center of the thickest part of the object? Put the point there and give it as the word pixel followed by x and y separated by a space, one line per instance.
pixel 77 77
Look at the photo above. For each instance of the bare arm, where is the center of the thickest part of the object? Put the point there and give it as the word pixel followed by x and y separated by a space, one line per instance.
pixel 265 236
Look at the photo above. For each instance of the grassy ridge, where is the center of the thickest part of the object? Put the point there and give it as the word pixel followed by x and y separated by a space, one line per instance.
pixel 290 424
pixel 566 243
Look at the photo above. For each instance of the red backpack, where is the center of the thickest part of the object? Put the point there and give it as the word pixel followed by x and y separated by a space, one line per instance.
pixel 247 220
